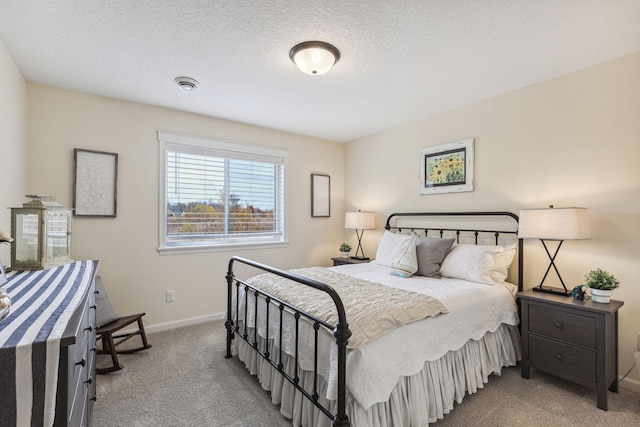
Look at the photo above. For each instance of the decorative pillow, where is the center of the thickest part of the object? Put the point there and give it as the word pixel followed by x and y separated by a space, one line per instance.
pixel 502 262
pixel 105 313
pixel 406 264
pixel 470 262
pixel 390 247
pixel 430 252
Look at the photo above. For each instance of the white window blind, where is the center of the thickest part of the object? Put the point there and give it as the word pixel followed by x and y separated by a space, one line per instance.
pixel 219 193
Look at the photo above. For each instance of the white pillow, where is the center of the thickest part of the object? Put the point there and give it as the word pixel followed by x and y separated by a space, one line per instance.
pixel 502 262
pixel 470 262
pixel 406 264
pixel 390 247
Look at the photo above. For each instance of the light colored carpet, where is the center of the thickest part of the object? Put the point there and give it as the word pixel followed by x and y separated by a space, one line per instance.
pixel 184 380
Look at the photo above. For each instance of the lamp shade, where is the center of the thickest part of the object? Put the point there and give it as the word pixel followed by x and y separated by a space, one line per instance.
pixel 314 58
pixel 360 220
pixel 554 224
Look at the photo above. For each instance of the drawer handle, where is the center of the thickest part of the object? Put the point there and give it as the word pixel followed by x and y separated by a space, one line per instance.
pixel 89 381
pixel 94 398
pixel 92 349
pixel 94 306
pixel 90 328
pixel 97 292
pixel 559 356
pixel 82 362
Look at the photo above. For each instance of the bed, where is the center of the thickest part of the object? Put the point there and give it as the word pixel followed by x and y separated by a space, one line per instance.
pixel 394 342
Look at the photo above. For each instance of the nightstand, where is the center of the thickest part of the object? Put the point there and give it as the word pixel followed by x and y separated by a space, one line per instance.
pixel 342 261
pixel 573 340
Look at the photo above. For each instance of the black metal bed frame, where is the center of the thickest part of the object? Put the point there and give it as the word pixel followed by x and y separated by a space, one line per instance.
pixel 341 330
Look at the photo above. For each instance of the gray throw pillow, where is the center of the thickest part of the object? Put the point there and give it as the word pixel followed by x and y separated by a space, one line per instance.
pixel 105 313
pixel 430 252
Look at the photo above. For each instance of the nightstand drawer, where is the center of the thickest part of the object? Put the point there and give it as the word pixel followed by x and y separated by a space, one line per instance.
pixel 348 260
pixel 573 328
pixel 557 358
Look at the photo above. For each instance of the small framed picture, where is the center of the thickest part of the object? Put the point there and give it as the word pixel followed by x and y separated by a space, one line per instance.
pixel 320 195
pixel 95 180
pixel 447 168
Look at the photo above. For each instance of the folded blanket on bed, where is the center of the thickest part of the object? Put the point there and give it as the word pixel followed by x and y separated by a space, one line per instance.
pixel 372 309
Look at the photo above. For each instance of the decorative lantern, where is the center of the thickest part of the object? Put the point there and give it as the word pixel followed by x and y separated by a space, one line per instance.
pixel 41 230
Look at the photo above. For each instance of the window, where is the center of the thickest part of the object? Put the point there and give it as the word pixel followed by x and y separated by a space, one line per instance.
pixel 217 194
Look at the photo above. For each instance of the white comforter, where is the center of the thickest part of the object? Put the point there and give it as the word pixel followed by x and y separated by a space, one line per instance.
pixel 374 368
pixel 474 309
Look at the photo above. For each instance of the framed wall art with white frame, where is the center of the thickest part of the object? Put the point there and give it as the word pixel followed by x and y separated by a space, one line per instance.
pixel 447 168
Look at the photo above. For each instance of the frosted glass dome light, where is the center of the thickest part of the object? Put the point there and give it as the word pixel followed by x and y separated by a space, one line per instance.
pixel 314 58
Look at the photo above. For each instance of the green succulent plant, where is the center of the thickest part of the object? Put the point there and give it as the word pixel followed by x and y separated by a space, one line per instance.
pixel 600 279
pixel 345 247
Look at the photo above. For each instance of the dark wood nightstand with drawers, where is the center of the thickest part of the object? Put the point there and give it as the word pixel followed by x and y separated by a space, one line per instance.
pixel 341 261
pixel 574 340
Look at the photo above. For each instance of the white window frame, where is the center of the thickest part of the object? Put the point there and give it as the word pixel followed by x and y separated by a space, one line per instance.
pixel 197 143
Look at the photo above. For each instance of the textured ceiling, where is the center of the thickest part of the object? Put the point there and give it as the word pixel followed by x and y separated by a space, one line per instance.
pixel 401 60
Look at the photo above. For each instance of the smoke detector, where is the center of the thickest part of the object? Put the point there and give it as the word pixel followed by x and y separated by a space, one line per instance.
pixel 187 84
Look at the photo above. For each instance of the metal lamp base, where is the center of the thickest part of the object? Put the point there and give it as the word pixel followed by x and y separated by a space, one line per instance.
pixel 555 291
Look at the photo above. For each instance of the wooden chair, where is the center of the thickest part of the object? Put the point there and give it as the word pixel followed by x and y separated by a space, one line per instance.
pixel 113 323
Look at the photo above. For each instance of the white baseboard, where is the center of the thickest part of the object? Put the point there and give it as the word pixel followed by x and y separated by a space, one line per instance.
pixel 630 384
pixel 184 322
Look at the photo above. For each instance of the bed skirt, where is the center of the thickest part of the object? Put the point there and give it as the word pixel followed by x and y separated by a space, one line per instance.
pixel 416 400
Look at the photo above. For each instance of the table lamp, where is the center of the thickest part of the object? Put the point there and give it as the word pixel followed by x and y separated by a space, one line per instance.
pixel 557 224
pixel 360 221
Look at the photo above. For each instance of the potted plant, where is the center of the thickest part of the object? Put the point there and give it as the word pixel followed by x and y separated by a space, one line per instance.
pixel 602 284
pixel 344 249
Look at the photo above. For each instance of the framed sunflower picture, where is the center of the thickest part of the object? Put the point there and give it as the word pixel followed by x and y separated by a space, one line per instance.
pixel 447 168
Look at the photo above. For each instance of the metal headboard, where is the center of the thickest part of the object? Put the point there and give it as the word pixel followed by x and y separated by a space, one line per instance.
pixel 475 231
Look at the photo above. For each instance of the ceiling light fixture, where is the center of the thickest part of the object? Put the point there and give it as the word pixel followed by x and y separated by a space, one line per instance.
pixel 314 58
pixel 187 84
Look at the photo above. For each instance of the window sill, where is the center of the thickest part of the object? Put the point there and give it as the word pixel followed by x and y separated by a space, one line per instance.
pixel 220 248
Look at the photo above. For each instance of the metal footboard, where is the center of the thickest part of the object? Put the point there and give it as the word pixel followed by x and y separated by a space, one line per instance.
pixel 340 331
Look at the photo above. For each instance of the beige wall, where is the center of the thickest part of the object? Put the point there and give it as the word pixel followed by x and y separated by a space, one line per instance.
pixel 13 142
pixel 133 271
pixel 571 141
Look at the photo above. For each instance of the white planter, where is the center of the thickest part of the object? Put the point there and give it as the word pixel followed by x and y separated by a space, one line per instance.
pixel 601 295
pixel 345 254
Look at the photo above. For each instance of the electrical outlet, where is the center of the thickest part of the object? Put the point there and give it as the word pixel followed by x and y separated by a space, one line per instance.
pixel 171 295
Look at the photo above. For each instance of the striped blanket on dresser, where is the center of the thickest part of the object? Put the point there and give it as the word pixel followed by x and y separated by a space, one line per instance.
pixel 42 304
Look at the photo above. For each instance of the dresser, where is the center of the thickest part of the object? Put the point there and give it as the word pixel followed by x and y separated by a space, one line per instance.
pixel 574 340
pixel 77 366
pixel 59 305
